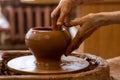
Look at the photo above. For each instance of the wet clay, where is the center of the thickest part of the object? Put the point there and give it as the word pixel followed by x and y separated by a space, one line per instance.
pixel 27 65
pixel 46 45
pixel 97 70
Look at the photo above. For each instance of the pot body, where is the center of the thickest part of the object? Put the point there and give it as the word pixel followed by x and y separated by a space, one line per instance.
pixel 47 45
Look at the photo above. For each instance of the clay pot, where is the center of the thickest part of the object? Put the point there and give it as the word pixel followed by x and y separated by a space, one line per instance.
pixel 46 45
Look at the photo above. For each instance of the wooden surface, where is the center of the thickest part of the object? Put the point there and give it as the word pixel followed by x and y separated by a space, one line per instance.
pixel 105 41
pixel 113 62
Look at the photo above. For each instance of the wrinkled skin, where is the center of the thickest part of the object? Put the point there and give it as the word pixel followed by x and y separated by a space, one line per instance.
pixel 61 11
pixel 88 24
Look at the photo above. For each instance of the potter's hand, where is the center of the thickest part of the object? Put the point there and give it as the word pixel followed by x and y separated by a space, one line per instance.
pixel 88 24
pixel 61 11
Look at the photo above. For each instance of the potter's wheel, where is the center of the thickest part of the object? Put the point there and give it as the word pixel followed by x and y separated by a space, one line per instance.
pixel 27 65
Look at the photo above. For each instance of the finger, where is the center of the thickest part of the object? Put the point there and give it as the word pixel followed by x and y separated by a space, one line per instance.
pixel 61 19
pixel 89 31
pixel 59 27
pixel 81 35
pixel 64 13
pixel 67 21
pixel 85 36
pixel 54 17
pixel 75 22
pixel 74 44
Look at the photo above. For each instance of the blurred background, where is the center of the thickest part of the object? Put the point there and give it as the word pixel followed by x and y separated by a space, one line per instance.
pixel 18 16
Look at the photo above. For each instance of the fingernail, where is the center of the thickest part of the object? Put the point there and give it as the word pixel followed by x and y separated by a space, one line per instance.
pixel 59 23
pixel 67 53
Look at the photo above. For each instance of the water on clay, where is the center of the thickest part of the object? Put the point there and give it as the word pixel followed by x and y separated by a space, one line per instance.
pixel 27 65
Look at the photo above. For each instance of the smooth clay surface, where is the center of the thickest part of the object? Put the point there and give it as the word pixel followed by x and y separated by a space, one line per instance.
pixel 98 70
pixel 46 45
pixel 27 65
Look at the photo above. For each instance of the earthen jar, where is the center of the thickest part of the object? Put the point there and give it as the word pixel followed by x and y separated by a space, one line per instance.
pixel 46 45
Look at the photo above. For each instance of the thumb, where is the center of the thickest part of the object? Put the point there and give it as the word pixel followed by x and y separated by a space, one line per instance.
pixel 76 21
pixel 75 43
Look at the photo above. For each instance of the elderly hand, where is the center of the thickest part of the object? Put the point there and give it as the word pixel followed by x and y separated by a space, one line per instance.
pixel 88 24
pixel 61 11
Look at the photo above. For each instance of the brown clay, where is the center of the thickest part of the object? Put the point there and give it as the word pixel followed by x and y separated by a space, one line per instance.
pixel 26 65
pixel 98 70
pixel 46 45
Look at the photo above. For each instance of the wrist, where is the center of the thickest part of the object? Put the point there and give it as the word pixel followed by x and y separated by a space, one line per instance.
pixel 112 17
pixel 106 18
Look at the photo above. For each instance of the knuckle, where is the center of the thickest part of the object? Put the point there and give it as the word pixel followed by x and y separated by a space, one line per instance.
pixel 90 14
pixel 55 12
pixel 91 17
pixel 52 15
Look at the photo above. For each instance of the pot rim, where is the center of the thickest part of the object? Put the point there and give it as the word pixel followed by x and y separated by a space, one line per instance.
pixel 45 29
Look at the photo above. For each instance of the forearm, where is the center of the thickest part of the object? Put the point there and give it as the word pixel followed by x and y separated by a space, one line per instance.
pixel 114 17
pixel 79 2
pixel 110 17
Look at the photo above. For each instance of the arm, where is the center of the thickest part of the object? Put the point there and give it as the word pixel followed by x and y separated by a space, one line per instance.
pixel 64 8
pixel 60 13
pixel 89 24
pixel 113 17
